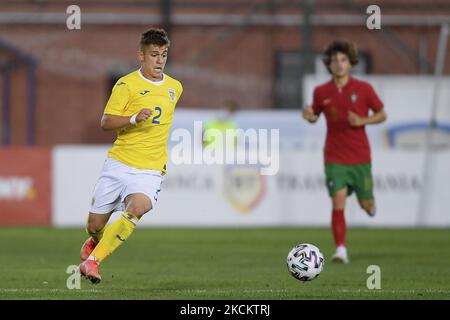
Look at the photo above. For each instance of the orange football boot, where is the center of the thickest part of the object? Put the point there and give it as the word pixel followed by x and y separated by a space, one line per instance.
pixel 89 269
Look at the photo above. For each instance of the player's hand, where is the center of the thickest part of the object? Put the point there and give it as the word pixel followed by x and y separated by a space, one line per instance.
pixel 308 114
pixel 143 115
pixel 354 120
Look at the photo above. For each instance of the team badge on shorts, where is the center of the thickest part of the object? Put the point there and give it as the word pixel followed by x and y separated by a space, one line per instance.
pixel 330 184
pixel 171 94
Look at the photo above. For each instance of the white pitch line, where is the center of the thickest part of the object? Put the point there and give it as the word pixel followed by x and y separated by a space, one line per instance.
pixel 394 291
pixel 226 291
pixel 26 290
pixel 218 291
pixel 15 290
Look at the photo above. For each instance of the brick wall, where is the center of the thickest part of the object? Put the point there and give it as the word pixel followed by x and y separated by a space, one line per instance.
pixel 74 66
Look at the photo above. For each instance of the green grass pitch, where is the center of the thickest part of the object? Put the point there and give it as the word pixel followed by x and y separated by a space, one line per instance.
pixel 179 263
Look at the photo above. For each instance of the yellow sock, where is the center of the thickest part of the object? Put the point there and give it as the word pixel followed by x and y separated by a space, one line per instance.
pixel 114 235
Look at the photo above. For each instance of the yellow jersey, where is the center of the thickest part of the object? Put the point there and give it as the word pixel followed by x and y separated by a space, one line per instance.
pixel 144 145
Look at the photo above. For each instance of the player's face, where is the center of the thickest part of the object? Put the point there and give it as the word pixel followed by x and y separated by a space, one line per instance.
pixel 153 60
pixel 340 65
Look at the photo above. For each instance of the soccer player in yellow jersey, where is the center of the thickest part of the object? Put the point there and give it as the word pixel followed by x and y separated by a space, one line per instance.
pixel 140 109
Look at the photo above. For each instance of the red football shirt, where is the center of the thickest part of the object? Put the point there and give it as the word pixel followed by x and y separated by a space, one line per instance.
pixel 345 144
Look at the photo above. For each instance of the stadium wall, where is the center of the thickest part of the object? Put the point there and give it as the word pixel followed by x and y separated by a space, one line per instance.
pixel 76 69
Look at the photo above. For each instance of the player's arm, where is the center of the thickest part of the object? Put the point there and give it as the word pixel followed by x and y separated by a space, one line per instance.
pixel 309 115
pixel 377 117
pixel 114 122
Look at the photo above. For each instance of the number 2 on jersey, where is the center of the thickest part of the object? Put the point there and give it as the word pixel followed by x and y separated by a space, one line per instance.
pixel 155 118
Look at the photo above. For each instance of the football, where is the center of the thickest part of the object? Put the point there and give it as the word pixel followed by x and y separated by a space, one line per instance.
pixel 305 262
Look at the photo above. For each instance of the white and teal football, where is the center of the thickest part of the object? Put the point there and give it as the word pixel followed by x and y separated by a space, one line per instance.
pixel 305 262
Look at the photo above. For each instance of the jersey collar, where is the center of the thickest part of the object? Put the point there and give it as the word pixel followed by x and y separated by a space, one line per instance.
pixel 347 85
pixel 157 83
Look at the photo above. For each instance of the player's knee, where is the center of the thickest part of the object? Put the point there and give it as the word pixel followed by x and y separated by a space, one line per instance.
pixel 338 204
pixel 339 201
pixel 139 209
pixel 93 228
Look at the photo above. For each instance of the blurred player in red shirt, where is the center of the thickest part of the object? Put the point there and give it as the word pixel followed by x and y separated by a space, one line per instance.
pixel 346 102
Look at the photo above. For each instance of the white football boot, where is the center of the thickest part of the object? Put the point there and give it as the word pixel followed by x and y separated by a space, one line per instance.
pixel 340 255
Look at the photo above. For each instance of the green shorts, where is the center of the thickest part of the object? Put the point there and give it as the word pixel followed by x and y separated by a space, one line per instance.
pixel 356 177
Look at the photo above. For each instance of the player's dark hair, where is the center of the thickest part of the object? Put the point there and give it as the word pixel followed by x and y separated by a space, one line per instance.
pixel 343 46
pixel 154 36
